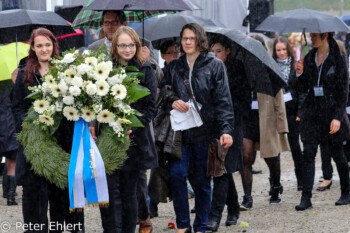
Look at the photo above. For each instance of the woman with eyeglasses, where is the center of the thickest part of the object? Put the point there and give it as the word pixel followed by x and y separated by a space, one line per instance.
pixel 323 76
pixel 208 82
pixel 126 51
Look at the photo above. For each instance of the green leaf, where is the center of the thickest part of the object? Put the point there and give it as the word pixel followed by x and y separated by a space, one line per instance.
pixel 134 74
pixel 131 69
pixel 57 118
pixel 137 113
pixel 137 92
pixel 34 96
pixel 135 122
pixel 32 115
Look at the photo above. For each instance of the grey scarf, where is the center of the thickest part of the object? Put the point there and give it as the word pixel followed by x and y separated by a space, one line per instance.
pixel 285 67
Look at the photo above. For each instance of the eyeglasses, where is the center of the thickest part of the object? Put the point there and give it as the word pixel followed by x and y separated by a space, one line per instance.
pixel 113 23
pixel 124 46
pixel 191 39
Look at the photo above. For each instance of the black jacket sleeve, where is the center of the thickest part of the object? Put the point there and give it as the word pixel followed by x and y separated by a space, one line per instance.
pixel 19 106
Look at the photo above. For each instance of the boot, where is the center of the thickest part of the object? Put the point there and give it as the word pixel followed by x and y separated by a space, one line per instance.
pixel 247 203
pixel 344 199
pixel 5 186
pixel 305 203
pixel 146 226
pixel 213 225
pixel 12 191
pixel 276 195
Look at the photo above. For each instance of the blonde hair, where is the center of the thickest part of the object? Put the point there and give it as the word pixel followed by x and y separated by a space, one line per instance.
pixel 341 47
pixel 134 37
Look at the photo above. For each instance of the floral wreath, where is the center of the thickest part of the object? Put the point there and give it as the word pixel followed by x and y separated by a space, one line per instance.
pixel 83 86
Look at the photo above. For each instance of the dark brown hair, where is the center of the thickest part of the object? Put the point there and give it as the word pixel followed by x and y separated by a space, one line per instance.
pixel 201 36
pixel 32 63
pixel 284 40
pixel 259 38
pixel 134 37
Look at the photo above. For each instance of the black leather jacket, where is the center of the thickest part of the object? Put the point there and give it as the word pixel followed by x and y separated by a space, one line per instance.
pixel 210 88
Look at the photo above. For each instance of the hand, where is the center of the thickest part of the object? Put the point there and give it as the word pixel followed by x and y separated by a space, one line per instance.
pixel 145 53
pixel 129 132
pixel 92 132
pixel 297 119
pixel 299 67
pixel 335 126
pixel 226 140
pixel 14 75
pixel 180 106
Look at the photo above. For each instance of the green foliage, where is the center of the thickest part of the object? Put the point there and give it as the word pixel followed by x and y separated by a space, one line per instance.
pixel 135 122
pixel 137 92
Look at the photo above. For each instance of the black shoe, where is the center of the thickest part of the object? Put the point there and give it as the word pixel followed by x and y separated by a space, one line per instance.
pixel 231 220
pixel 256 171
pixel 324 188
pixel 11 191
pixel 276 195
pixel 212 226
pixel 188 230
pixel 305 203
pixel 193 211
pixel 344 199
pixel 247 203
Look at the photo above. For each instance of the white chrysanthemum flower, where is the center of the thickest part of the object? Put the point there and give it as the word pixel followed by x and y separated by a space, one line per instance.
pixel 88 115
pixel 71 113
pixel 49 80
pixel 105 116
pixel 91 61
pixel 83 69
pixel 76 52
pixel 46 120
pixel 97 107
pixel 77 81
pixel 59 106
pixel 123 121
pixel 74 90
pixel 86 52
pixel 102 87
pixel 119 91
pixel 40 106
pixel 68 100
pixel 123 107
pixel 101 71
pixel 56 91
pixel 91 89
pixel 70 73
pixel 68 58
pixel 116 79
pixel 85 83
pixel 117 127
pixel 63 86
pixel 109 65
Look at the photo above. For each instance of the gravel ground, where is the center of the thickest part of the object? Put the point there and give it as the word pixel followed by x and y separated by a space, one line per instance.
pixel 323 217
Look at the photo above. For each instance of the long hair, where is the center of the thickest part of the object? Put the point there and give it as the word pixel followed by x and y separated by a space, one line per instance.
pixel 201 36
pixel 284 40
pixel 134 37
pixel 32 62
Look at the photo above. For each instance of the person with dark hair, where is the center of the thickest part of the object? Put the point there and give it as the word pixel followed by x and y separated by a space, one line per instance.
pixel 43 45
pixel 283 55
pixel 323 76
pixel 205 77
pixel 224 191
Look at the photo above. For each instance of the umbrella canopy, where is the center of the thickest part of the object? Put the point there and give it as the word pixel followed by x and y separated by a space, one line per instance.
pixel 346 19
pixel 169 27
pixel 8 60
pixel 141 5
pixel 17 25
pixel 302 20
pixel 263 72
pixel 92 19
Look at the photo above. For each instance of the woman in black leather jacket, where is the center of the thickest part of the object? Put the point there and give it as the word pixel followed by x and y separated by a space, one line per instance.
pixel 208 80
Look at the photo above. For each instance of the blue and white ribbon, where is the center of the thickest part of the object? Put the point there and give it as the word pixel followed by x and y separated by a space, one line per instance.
pixel 86 172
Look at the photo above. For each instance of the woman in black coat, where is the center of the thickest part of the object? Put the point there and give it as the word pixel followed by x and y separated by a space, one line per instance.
pixel 224 191
pixel 126 50
pixel 324 78
pixel 283 55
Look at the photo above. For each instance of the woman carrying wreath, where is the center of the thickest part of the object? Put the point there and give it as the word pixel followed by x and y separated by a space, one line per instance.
pixel 36 189
pixel 126 51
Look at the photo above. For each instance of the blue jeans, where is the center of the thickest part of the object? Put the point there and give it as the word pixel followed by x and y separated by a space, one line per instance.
pixel 196 154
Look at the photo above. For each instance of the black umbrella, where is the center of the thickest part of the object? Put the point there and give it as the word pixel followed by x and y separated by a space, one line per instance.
pixel 169 27
pixel 17 25
pixel 302 20
pixel 263 72
pixel 142 5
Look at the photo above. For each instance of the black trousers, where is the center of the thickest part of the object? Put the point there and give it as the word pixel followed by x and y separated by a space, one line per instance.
pixel 35 203
pixel 224 192
pixel 326 158
pixel 336 151
pixel 293 139
pixel 142 195
pixel 153 192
